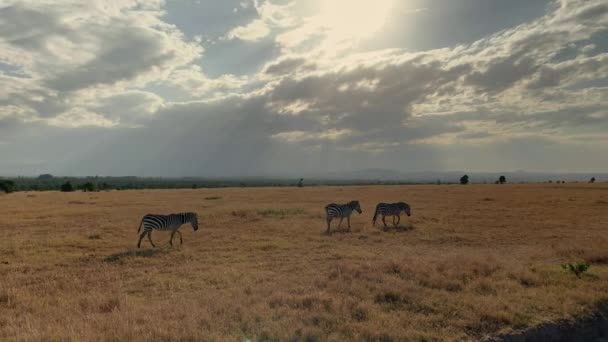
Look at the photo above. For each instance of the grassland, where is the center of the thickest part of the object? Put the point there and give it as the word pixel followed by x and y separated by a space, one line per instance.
pixel 472 261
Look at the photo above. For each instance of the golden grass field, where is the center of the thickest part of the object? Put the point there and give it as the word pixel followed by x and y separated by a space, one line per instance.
pixel 472 261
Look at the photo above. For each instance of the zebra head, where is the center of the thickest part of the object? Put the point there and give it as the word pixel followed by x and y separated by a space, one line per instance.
pixel 193 219
pixel 405 207
pixel 355 206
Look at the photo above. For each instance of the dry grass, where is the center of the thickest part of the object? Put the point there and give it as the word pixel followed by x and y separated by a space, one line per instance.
pixel 471 261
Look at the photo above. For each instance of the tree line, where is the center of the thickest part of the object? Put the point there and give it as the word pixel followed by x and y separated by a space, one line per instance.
pixel 47 182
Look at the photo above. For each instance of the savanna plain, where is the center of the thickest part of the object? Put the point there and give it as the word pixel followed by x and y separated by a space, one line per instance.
pixel 472 261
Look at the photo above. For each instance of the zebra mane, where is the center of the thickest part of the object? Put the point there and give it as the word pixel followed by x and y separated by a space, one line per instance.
pixel 188 215
pixel 403 205
pixel 352 204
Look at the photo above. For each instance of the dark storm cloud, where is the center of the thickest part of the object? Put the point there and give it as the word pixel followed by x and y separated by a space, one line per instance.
pixel 126 54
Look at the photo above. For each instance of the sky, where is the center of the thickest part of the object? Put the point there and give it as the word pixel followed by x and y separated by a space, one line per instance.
pixel 279 87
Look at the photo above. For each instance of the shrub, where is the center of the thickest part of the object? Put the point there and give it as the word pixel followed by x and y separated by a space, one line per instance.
pixel 592 180
pixel 464 180
pixel 577 268
pixel 88 186
pixel 67 187
pixel 502 179
pixel 7 186
pixel 104 186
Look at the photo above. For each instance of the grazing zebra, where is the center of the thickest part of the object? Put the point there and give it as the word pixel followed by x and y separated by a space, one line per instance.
pixel 166 222
pixel 341 210
pixel 391 209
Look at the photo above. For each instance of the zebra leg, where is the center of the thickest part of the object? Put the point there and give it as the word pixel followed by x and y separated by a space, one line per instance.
pixel 181 241
pixel 150 238
pixel 171 239
pixel 328 225
pixel 394 221
pixel 398 219
pixel 384 220
pixel 141 236
pixel 340 223
pixel 348 221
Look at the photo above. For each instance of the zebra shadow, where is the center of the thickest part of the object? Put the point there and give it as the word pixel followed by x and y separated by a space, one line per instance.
pixel 401 228
pixel 133 253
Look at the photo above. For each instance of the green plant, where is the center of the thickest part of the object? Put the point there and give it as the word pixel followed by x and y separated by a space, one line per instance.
pixel 577 268
pixel 88 186
pixel 67 187
pixel 464 180
pixel 7 186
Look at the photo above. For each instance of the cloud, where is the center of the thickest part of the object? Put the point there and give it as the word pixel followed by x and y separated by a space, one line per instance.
pixel 94 46
pixel 270 16
pixel 124 73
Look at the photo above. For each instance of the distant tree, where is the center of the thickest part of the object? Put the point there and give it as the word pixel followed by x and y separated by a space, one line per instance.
pixel 497 182
pixel 502 179
pixel 592 180
pixel 7 186
pixel 194 186
pixel 301 183
pixel 88 187
pixel 464 180
pixel 45 176
pixel 67 187
pixel 550 181
pixel 439 182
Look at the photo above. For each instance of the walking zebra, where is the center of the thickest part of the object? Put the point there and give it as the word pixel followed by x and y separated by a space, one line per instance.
pixel 391 209
pixel 341 210
pixel 166 222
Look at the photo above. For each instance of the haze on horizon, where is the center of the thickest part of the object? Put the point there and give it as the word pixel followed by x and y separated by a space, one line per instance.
pixel 228 88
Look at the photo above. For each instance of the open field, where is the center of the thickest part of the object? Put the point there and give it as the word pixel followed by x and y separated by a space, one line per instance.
pixel 472 261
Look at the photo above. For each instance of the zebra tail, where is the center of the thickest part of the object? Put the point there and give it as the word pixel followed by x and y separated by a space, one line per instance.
pixel 140 224
pixel 375 217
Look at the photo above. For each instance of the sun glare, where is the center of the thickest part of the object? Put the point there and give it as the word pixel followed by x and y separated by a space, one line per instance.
pixel 354 18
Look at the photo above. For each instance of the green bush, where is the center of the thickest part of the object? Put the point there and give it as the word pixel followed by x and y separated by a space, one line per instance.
pixel 464 180
pixel 7 186
pixel 67 187
pixel 88 186
pixel 578 268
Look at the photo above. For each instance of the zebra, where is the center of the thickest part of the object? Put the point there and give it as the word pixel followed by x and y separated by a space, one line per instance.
pixel 166 222
pixel 391 209
pixel 341 210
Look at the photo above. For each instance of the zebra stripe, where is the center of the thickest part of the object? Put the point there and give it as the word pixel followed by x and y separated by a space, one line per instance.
pixel 166 222
pixel 391 209
pixel 341 210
